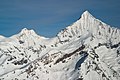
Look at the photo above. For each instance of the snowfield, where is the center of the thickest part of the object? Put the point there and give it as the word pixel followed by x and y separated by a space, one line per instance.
pixel 86 50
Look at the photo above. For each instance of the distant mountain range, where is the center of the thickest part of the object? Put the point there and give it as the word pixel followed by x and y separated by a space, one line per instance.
pixel 86 50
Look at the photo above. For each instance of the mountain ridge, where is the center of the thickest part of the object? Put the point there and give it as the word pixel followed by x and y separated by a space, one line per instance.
pixel 86 50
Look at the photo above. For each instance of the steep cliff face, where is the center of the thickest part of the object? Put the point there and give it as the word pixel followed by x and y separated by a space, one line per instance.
pixel 86 50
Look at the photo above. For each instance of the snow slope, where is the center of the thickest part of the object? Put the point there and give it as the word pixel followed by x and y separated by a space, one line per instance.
pixel 86 50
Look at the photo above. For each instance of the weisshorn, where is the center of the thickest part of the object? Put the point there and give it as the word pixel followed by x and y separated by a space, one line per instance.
pixel 86 50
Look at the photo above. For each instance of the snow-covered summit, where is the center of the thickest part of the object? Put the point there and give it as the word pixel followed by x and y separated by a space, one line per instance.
pixel 86 14
pixel 88 49
pixel 29 33
pixel 88 24
pixel 26 31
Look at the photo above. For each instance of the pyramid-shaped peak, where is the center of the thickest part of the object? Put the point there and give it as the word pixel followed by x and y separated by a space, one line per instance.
pixel 86 14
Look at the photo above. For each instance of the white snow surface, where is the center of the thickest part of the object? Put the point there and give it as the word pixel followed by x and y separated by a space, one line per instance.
pixel 86 50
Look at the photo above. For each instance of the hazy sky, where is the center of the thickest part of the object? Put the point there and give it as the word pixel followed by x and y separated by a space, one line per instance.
pixel 48 17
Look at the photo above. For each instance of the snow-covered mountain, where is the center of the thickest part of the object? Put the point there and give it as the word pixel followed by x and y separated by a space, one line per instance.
pixel 86 50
